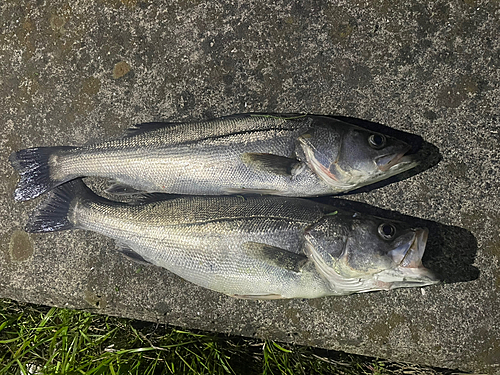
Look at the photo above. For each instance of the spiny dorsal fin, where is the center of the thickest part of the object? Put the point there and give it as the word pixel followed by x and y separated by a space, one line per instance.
pixel 271 163
pixel 275 256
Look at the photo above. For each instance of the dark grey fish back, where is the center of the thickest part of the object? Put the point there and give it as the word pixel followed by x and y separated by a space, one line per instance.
pixel 171 134
pixel 196 209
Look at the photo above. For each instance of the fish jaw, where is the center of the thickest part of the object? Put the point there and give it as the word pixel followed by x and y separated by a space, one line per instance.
pixel 385 162
pixel 410 271
pixel 403 164
pixel 413 257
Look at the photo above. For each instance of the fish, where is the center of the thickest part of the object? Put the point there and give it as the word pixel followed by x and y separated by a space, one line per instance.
pixel 255 247
pixel 296 156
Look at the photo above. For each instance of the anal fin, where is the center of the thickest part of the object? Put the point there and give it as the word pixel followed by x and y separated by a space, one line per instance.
pixel 258 296
pixel 250 191
pixel 118 188
pixel 130 253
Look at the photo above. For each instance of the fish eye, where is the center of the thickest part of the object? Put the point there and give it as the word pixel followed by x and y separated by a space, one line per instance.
pixel 376 141
pixel 387 231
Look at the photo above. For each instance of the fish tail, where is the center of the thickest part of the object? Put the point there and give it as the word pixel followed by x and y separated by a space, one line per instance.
pixel 55 213
pixel 35 169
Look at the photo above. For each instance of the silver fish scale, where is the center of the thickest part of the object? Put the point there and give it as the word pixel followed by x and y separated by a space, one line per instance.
pixel 193 209
pixel 180 133
pixel 197 158
pixel 203 240
pixel 159 135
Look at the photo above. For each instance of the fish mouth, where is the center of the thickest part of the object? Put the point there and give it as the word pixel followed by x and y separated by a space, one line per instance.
pixel 411 263
pixel 414 254
pixel 409 270
pixel 386 162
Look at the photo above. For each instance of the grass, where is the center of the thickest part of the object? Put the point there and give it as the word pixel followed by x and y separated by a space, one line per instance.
pixel 44 340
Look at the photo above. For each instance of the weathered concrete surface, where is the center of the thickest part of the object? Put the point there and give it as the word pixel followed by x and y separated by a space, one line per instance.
pixel 75 70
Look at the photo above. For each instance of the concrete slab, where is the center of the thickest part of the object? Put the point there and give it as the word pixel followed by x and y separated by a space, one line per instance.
pixel 71 71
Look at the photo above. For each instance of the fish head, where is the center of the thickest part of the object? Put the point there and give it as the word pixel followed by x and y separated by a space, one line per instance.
pixel 347 156
pixel 368 253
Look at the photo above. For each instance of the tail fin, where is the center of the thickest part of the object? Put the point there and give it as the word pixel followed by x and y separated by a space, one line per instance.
pixel 34 168
pixel 55 213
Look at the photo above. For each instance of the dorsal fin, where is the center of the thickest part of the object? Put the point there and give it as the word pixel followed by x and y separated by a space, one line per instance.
pixel 151 126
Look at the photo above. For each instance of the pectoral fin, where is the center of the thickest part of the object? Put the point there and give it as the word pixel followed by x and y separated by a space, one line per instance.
pixel 338 283
pixel 275 256
pixel 272 163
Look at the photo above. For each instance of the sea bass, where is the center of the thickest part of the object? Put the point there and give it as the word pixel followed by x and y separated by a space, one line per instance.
pixel 256 247
pixel 260 154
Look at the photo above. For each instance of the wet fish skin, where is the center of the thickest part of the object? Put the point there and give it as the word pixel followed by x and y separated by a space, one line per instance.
pixel 263 154
pixel 255 247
